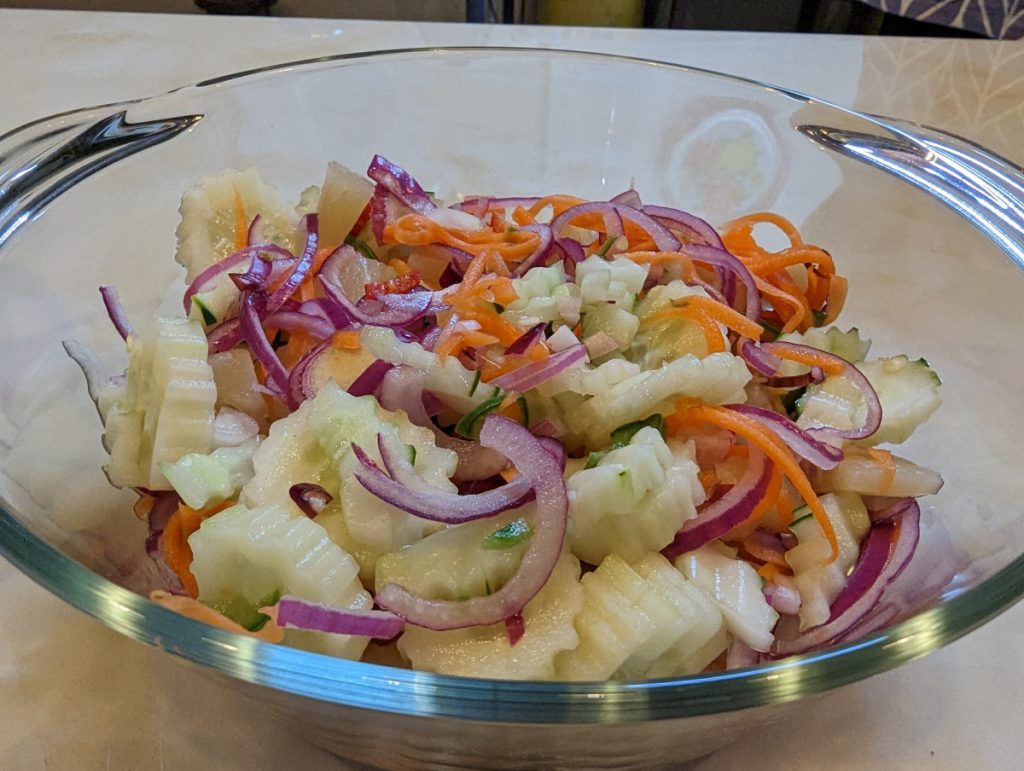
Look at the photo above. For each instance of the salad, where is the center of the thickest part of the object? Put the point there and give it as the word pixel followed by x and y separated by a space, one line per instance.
pixel 532 438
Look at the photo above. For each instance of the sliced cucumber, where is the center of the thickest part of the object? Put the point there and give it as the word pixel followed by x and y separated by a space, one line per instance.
pixel 735 588
pixel 907 391
pixel 485 651
pixel 166 410
pixel 253 553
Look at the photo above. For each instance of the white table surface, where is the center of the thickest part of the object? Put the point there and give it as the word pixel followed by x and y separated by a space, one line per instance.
pixel 75 695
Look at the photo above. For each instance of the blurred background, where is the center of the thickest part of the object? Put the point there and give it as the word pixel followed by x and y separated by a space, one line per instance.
pixel 933 18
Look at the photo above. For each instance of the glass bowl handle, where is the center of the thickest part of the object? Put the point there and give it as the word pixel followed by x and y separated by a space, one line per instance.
pixel 41 160
pixel 979 185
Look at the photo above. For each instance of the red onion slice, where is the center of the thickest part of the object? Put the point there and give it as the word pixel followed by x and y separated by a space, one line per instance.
pixel 532 375
pixel 116 312
pixel 720 516
pixel 873 407
pixel 760 360
pixel 662 236
pixel 392 310
pixel 881 561
pixel 525 342
pixel 296 321
pixel 515 627
pixel 785 599
pixel 481 205
pixel 540 254
pixel 252 330
pixel 720 258
pixel 311 498
pixel 300 386
pixel 204 279
pixel 740 655
pixel 301 614
pixel 693 224
pixel 400 184
pixel 629 198
pixel 302 267
pixel 401 388
pixel 370 379
pixel 822 455
pixel 437 505
pixel 536 466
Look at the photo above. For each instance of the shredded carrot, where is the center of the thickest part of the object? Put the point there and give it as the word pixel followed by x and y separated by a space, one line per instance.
pixel 784 508
pixel 791 321
pixel 241 224
pixel 776 450
pixel 417 230
pixel 558 204
pixel 660 258
pixel 795 255
pixel 522 217
pixel 717 311
pixel 746 224
pixel 884 457
pixel 143 506
pixel 307 289
pixel 298 345
pixel 177 552
pixel 811 358
pixel 192 608
pixel 346 340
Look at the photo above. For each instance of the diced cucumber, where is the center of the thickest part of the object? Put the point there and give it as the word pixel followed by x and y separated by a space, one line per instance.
pixel 206 480
pixel 620 325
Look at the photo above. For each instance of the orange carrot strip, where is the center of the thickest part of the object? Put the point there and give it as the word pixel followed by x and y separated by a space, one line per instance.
pixel 659 258
pixel 241 224
pixel 346 340
pixel 884 457
pixel 794 256
pixel 717 311
pixel 192 608
pixel 774 448
pixel 747 223
pixel 177 552
pixel 558 204
pixel 811 358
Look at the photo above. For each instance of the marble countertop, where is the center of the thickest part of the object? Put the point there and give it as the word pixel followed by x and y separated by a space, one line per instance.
pixel 75 695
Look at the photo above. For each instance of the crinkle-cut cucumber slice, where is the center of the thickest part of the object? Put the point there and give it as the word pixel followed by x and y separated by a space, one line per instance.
pixel 255 553
pixel 166 409
pixel 206 233
pixel 484 651
pixel 735 587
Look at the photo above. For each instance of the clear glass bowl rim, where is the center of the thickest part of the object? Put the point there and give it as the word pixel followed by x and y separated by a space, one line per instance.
pixel 423 694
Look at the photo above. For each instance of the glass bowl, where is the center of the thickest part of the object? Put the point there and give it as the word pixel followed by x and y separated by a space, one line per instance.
pixel 932 248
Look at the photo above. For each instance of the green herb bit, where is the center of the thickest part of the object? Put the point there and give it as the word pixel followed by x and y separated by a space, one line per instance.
pixel 410 454
pixel 498 308
pixel 608 242
pixel 624 434
pixel 362 247
pixel 512 534
pixel 819 318
pixel 467 426
pixel 476 382
pixel 595 458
